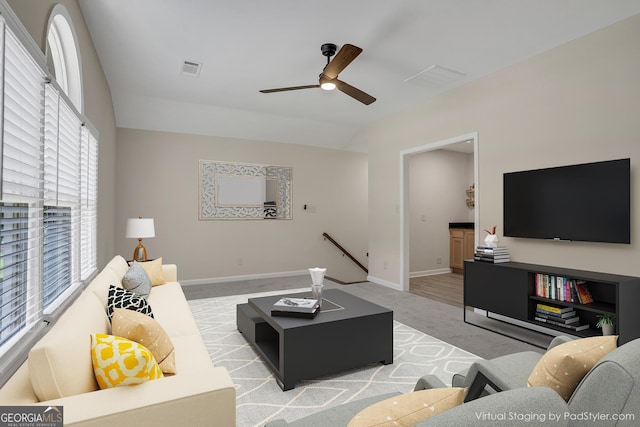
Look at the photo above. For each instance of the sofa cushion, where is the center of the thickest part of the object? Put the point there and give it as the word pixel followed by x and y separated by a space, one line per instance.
pixel 137 280
pixel 60 363
pixel 118 265
pixel 563 367
pixel 100 284
pixel 122 298
pixel 148 332
pixel 154 270
pixel 409 409
pixel 118 361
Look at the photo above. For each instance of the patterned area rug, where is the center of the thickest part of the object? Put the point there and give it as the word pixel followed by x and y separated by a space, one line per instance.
pixel 260 399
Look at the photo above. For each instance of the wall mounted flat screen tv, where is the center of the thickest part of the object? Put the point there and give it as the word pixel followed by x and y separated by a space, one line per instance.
pixel 586 202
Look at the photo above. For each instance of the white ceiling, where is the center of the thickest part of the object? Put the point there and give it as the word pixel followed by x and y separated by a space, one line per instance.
pixel 248 45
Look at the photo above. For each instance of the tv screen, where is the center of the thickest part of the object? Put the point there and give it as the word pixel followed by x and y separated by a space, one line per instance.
pixel 585 202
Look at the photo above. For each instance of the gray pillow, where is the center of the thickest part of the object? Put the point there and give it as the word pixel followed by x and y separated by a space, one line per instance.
pixel 137 280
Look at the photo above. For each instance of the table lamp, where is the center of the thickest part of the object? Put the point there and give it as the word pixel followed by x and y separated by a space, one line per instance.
pixel 140 228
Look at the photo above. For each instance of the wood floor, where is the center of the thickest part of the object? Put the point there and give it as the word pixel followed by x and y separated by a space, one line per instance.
pixel 446 288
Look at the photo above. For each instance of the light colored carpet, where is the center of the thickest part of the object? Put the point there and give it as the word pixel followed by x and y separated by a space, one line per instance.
pixel 260 399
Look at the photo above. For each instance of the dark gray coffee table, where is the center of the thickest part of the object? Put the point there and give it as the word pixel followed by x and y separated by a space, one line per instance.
pixel 349 332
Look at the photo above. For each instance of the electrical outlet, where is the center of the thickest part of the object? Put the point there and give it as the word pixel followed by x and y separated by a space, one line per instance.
pixel 240 261
pixel 438 260
pixel 386 265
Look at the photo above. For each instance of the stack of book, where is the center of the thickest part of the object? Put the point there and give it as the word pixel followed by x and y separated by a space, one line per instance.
pixel 296 307
pixel 564 317
pixel 492 254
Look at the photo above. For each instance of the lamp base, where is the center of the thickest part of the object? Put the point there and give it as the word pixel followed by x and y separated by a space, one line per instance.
pixel 140 252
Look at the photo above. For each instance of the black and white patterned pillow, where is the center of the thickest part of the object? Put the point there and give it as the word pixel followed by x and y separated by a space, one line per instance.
pixel 122 298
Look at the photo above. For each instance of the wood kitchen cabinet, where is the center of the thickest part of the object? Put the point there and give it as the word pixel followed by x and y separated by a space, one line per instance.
pixel 461 247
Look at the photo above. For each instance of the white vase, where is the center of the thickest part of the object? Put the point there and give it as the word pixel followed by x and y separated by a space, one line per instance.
pixel 491 240
pixel 317 275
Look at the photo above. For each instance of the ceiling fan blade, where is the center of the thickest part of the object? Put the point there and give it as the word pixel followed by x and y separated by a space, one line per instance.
pixel 284 89
pixel 345 55
pixel 353 92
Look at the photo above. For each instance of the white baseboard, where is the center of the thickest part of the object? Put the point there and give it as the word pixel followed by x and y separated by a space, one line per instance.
pixel 244 277
pixel 386 283
pixel 429 272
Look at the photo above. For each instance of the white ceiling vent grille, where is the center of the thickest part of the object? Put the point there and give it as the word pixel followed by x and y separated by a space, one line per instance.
pixel 435 77
pixel 191 68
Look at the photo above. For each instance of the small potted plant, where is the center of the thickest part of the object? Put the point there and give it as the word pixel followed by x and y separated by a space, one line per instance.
pixel 608 324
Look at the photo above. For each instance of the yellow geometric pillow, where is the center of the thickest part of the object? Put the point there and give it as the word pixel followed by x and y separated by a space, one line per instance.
pixel 564 366
pixel 144 330
pixel 119 361
pixel 154 271
pixel 408 409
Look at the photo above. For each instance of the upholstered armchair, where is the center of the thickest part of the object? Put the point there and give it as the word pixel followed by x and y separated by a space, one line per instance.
pixel 608 395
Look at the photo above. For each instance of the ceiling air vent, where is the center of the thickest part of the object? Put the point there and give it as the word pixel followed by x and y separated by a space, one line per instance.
pixel 191 68
pixel 435 77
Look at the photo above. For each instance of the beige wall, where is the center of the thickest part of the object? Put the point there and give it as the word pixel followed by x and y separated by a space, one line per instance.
pixel 157 176
pixel 98 107
pixel 576 103
pixel 438 181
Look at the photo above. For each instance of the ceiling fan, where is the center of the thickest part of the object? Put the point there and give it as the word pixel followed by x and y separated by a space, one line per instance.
pixel 329 76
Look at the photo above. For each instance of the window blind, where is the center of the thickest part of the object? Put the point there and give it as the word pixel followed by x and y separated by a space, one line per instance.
pixel 14 254
pixel 88 203
pixel 22 156
pixel 62 166
pixel 21 189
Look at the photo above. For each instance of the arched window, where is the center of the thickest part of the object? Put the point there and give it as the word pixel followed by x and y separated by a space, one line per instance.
pixel 63 55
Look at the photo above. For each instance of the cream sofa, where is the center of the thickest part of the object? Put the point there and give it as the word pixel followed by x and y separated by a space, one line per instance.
pixel 59 370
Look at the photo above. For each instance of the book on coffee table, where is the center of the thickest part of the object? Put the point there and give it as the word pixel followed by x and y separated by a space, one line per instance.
pixel 296 305
pixel 311 315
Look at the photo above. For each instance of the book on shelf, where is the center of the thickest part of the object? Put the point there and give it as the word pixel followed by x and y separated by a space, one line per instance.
pixel 553 309
pixel 570 318
pixel 491 257
pixel 296 305
pixel 584 296
pixel 562 325
pixel 492 250
pixel 565 315
pixel 491 260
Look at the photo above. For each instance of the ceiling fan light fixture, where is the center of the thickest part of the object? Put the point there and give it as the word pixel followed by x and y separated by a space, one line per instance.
pixel 328 85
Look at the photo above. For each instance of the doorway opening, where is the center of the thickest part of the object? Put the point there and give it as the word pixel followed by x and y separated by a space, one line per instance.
pixel 405 155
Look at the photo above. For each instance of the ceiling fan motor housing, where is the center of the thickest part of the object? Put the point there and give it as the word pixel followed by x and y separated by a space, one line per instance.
pixel 328 49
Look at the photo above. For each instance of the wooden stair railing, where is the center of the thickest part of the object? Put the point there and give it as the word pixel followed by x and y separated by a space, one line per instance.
pixel 348 255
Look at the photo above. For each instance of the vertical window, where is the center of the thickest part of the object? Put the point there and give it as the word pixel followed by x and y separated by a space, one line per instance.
pixel 21 188
pixel 62 167
pixel 48 185
pixel 63 55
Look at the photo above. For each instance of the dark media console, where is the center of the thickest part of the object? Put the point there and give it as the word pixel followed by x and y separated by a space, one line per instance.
pixel 509 289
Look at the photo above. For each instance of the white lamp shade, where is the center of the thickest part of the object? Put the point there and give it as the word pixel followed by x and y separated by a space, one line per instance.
pixel 140 228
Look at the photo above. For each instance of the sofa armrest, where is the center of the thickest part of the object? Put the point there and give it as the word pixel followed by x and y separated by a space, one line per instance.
pixel 560 339
pixel 482 373
pixel 521 407
pixel 170 272
pixel 429 382
pixel 208 398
